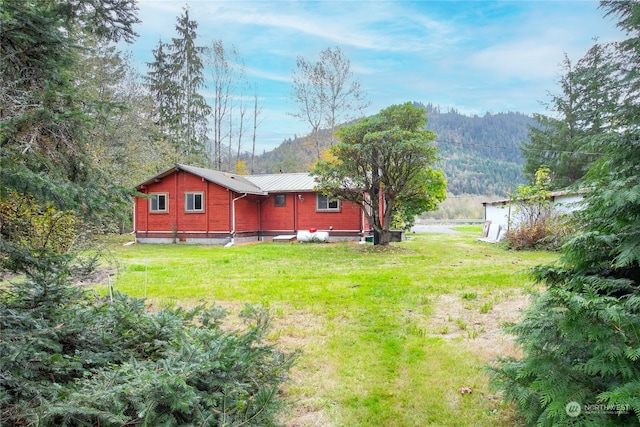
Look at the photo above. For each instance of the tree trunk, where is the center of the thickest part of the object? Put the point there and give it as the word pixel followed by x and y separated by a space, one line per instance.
pixel 385 237
pixel 255 126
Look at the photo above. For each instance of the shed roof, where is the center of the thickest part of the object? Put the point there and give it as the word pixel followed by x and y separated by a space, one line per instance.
pixel 552 195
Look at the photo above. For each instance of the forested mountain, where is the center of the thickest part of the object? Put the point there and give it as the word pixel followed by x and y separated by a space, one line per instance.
pixel 479 154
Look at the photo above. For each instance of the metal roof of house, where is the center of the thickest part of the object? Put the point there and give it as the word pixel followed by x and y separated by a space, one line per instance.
pixel 237 183
pixel 284 182
pixel 250 184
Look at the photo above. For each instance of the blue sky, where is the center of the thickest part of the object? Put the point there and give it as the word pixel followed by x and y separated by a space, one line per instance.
pixel 475 56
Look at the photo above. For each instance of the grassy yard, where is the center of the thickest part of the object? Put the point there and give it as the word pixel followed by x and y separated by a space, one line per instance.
pixel 397 337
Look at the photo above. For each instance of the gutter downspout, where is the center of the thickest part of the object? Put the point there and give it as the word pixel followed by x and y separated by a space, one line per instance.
pixel 295 212
pixel 135 226
pixel 362 218
pixel 233 219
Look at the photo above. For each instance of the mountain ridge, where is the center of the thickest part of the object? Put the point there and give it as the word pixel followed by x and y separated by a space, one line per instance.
pixel 479 155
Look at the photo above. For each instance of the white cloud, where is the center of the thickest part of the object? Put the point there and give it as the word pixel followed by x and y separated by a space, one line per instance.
pixel 265 74
pixel 526 60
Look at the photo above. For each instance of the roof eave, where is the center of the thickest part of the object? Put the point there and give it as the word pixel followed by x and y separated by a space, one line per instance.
pixel 160 175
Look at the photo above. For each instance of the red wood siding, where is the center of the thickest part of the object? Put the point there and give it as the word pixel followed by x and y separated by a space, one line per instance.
pixel 218 205
pixel 299 213
pixel 277 218
pixel 247 214
pixel 160 221
pixel 216 216
pixel 349 217
pixel 190 221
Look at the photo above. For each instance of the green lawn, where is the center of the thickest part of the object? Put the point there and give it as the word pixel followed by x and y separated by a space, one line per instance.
pixel 387 338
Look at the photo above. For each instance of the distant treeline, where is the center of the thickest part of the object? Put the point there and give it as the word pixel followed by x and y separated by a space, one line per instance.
pixel 458 207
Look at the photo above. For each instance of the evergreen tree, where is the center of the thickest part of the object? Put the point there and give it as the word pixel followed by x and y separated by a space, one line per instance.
pixel 581 337
pixel 43 122
pixel 124 138
pixel 174 80
pixel 191 107
pixel 164 93
pixel 560 143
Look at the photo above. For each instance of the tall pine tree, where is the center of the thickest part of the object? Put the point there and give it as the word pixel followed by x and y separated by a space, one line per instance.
pixel 191 107
pixel 124 140
pixel 174 79
pixel 164 93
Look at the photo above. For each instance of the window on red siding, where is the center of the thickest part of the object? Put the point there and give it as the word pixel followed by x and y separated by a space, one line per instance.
pixel 327 203
pixel 279 200
pixel 158 203
pixel 193 202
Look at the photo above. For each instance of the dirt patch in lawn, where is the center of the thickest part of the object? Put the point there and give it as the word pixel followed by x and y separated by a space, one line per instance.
pixel 477 322
pixel 100 276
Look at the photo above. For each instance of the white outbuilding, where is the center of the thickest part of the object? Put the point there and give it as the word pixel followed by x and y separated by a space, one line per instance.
pixel 499 215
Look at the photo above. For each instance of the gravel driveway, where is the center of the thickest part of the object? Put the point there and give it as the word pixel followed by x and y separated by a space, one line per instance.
pixel 421 228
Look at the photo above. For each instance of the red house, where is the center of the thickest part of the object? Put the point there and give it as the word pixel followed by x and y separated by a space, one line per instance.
pixel 197 205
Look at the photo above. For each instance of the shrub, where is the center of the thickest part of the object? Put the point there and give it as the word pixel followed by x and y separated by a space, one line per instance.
pixel 549 233
pixel 533 223
pixel 71 358
pixel 527 237
pixel 39 227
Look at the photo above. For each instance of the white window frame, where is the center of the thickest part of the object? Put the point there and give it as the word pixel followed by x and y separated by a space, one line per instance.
pixel 193 195
pixel 323 203
pixel 155 200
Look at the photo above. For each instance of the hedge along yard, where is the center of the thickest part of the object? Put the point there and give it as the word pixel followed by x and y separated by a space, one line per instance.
pixel 392 336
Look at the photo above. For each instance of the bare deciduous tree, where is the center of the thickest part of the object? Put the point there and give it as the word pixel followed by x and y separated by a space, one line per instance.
pixel 327 93
pixel 344 97
pixel 256 122
pixel 227 81
pixel 308 94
